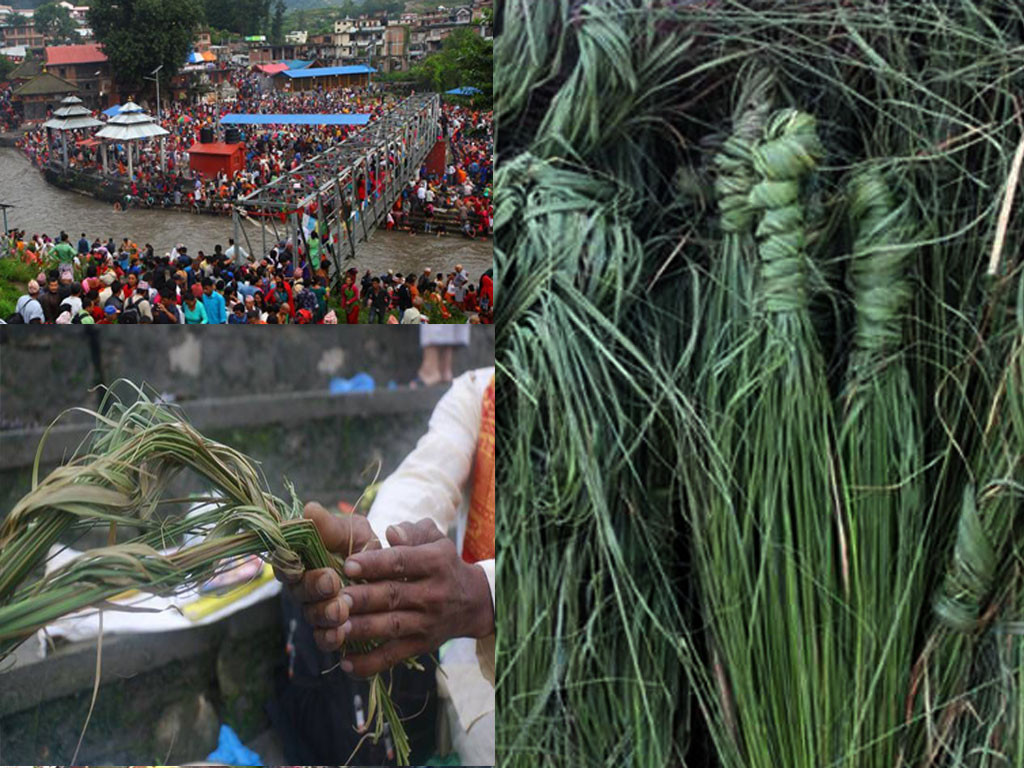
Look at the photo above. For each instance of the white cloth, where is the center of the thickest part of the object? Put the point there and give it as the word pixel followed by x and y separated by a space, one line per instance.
pixel 449 335
pixel 237 254
pixel 30 309
pixel 434 482
pixel 76 304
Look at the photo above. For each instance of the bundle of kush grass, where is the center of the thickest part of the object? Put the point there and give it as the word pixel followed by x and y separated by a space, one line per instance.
pixel 120 477
pixel 762 336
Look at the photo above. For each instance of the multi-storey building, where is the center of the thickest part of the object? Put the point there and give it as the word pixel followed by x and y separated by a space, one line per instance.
pixel 19 29
pixel 395 57
pixel 431 29
pixel 87 67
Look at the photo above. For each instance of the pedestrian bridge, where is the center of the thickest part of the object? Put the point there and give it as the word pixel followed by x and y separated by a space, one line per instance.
pixel 349 188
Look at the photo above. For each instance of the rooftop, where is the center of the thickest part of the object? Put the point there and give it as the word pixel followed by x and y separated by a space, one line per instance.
pixel 44 85
pixel 26 70
pixel 90 53
pixel 355 69
pixel 215 148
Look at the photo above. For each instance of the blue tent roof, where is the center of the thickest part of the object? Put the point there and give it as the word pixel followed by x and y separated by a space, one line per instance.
pixel 356 69
pixel 294 64
pixel 239 119
pixel 466 90
pixel 114 110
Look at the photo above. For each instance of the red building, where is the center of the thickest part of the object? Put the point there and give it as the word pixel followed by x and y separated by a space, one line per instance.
pixel 211 159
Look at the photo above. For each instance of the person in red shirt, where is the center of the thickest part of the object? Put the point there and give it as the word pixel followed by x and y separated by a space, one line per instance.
pixel 94 307
pixel 282 294
pixel 130 286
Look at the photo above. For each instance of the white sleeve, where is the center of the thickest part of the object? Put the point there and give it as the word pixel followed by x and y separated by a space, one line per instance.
pixel 485 646
pixel 429 483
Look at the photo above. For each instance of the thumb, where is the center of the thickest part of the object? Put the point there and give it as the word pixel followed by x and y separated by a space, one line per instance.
pixel 342 534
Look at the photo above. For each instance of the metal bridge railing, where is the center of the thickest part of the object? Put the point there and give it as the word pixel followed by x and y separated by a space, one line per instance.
pixel 337 182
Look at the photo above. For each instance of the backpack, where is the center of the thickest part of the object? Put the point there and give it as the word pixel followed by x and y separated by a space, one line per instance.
pixel 130 315
pixel 17 318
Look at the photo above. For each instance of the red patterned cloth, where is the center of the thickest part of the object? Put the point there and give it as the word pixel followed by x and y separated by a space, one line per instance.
pixel 478 543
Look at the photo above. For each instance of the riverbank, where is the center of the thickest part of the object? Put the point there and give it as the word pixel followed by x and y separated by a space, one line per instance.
pixel 14 277
pixel 11 138
pixel 115 192
pixel 39 207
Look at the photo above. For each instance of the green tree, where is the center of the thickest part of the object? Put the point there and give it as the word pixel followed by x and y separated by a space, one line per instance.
pixel 277 25
pixel 465 59
pixel 55 22
pixel 140 35
pixel 244 17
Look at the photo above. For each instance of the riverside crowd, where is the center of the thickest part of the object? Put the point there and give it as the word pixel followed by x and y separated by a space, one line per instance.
pixel 92 281
pixel 462 195
pixel 8 115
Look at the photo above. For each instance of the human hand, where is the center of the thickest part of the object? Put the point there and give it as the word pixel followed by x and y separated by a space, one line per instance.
pixel 319 591
pixel 418 594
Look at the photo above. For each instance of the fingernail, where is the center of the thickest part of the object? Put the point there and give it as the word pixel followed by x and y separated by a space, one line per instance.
pixel 347 666
pixel 352 568
pixel 347 598
pixel 331 636
pixel 346 628
pixel 332 611
pixel 325 585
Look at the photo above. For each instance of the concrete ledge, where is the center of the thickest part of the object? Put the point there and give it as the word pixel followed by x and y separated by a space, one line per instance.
pixel 72 668
pixel 18 447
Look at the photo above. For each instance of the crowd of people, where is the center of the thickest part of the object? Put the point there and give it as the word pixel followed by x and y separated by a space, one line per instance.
pixel 463 192
pixel 9 119
pixel 461 197
pixel 92 280
pixel 104 282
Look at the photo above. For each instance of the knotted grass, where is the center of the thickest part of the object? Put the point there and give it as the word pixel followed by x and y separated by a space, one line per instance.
pixel 119 480
pixel 764 394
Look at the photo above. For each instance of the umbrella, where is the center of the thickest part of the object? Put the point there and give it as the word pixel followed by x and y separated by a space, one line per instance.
pixel 466 90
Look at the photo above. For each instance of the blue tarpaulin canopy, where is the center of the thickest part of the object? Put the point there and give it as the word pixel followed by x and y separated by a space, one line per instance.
pixel 297 64
pixel 355 69
pixel 239 119
pixel 466 90
pixel 114 110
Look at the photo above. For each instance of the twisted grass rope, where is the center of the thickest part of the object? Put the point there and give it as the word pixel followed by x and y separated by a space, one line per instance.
pixel 789 151
pixel 878 272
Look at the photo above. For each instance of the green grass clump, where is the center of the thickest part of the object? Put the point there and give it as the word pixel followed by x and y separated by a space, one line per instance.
pixel 765 392
pixel 14 277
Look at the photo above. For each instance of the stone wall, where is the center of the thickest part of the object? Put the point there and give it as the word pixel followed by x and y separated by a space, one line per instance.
pixel 264 394
pixel 45 370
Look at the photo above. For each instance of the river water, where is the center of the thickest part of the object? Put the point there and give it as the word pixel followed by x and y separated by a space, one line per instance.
pixel 42 208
